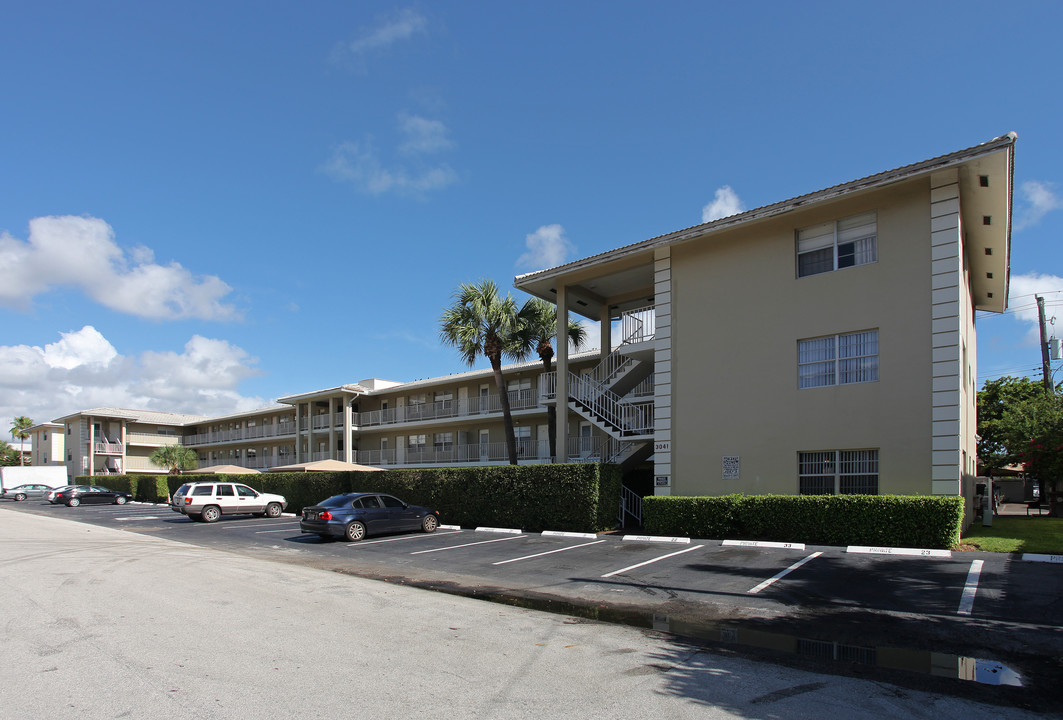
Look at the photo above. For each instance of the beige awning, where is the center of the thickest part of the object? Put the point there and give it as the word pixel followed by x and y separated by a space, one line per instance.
pixel 223 470
pixel 323 466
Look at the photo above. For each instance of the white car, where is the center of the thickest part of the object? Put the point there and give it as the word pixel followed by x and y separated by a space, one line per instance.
pixel 208 501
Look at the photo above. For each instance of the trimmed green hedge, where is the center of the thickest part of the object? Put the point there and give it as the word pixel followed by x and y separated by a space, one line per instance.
pixel 922 521
pixel 143 488
pixel 567 497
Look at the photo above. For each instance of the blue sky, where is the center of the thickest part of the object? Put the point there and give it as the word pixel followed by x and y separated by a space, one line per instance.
pixel 206 206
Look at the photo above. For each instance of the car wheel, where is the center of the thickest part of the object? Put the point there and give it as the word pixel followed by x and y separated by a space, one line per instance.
pixel 73 502
pixel 355 531
pixel 211 513
pixel 19 497
pixel 430 523
pixel 120 500
pixel 273 510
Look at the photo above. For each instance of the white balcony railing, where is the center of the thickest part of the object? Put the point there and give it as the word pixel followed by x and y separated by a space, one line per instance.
pixel 528 451
pixel 469 407
pixel 151 439
pixel 108 448
pixel 251 433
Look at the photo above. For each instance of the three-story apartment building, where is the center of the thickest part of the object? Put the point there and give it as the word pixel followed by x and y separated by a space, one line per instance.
pixel 823 344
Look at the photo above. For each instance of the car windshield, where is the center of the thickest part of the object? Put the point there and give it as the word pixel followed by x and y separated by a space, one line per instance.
pixel 337 501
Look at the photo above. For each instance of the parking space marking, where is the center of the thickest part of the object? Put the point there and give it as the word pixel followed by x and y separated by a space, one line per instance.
pixel 139 517
pixel 558 533
pixel 548 552
pixel 511 531
pixel 650 562
pixel 1037 557
pixel 783 573
pixel 455 547
pixel 970 588
pixel 416 536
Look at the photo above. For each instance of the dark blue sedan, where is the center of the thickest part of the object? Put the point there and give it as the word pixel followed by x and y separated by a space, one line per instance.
pixel 356 515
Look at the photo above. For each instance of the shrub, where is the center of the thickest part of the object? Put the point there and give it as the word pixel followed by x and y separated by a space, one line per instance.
pixel 886 520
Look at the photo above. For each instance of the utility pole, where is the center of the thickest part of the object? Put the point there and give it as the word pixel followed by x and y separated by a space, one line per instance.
pixel 1046 366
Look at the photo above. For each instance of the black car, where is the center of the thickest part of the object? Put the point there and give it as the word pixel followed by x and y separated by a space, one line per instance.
pixel 356 515
pixel 78 494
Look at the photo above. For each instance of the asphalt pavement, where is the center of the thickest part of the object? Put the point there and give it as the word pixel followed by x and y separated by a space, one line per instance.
pixel 101 622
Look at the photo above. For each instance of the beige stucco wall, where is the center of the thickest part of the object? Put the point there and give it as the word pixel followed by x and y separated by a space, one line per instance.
pixel 738 310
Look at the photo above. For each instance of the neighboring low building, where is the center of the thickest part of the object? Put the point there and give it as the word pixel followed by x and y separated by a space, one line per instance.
pixel 47 441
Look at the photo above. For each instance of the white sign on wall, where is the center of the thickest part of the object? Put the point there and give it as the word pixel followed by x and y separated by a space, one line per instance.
pixel 731 467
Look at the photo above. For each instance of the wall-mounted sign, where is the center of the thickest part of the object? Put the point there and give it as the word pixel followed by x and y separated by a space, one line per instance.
pixel 662 446
pixel 731 467
pixel 662 481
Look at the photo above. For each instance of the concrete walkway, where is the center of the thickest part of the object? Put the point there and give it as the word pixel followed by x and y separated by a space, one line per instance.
pixel 102 623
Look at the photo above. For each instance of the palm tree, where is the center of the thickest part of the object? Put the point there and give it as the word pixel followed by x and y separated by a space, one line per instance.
pixel 20 430
pixel 538 328
pixel 481 322
pixel 175 458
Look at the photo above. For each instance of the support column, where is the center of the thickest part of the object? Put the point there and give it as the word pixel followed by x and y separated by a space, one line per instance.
pixel 663 471
pixel 348 432
pixel 606 331
pixel 332 429
pixel 561 396
pixel 949 303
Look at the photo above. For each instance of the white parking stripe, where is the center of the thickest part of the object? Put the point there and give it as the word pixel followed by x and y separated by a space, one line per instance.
pixel 970 588
pixel 139 517
pixel 650 562
pixel 455 547
pixel 784 573
pixel 548 552
pixel 396 539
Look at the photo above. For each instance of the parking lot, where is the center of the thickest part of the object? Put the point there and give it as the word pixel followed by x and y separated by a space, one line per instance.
pixel 958 605
pixel 701 578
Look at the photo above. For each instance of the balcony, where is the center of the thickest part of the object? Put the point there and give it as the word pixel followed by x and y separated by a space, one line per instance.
pixel 108 448
pixel 151 439
pixel 447 409
pixel 257 432
pixel 528 452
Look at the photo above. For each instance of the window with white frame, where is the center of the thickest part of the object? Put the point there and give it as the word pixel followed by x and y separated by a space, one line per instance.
pixel 838 359
pixel 443 441
pixel 523 435
pixel 838 244
pixel 416 443
pixel 838 472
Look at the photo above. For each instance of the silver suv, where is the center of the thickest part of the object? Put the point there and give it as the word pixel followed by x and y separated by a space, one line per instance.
pixel 208 501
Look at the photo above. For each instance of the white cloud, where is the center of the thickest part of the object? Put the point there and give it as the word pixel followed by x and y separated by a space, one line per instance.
pixel 724 204
pixel 1037 199
pixel 401 26
pixel 547 247
pixel 83 370
pixel 1023 304
pixel 80 252
pixel 423 136
pixel 359 162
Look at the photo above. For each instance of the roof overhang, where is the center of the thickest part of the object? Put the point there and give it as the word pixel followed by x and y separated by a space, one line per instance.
pixel 624 277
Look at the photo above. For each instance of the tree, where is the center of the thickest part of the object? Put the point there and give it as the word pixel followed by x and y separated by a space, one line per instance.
pixel 538 328
pixel 482 322
pixel 8 455
pixel 175 458
pixel 996 448
pixel 20 430
pixel 1035 430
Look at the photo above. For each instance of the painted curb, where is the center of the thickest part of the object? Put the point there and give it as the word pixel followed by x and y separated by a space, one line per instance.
pixel 916 552
pixel 500 530
pixel 655 538
pixel 558 533
pixel 764 544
